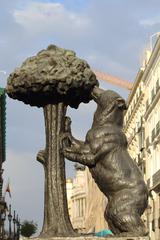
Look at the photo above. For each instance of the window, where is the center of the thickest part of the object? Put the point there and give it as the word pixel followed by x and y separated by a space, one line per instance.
pixel 141 139
pixel 147 142
pixel 147 104
pixel 152 94
pixel 153 225
pixel 153 134
pixel 157 85
pixel 159 211
pixel 158 128
pixel 141 164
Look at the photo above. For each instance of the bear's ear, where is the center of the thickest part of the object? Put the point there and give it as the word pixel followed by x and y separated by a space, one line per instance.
pixel 120 102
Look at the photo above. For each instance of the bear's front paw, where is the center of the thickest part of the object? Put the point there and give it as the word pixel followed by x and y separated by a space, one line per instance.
pixel 65 140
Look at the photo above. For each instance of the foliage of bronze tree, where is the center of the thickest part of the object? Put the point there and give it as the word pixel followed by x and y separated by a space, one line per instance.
pixel 53 79
pixel 28 228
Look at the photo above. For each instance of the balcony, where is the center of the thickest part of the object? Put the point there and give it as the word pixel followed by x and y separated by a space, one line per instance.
pixel 157 129
pixel 155 96
pixel 157 86
pixel 156 182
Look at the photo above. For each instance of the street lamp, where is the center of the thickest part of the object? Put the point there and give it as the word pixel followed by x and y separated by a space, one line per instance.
pixel 18 227
pixel 3 218
pixel 1 183
pixel 14 225
pixel 10 219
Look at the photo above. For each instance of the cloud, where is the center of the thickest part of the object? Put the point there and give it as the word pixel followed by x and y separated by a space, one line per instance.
pixel 150 22
pixel 26 183
pixel 39 18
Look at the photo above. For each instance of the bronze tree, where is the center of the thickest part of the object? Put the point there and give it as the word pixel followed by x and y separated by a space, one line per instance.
pixel 53 79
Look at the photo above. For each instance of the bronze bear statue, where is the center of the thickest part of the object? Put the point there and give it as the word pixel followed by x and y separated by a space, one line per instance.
pixel 116 174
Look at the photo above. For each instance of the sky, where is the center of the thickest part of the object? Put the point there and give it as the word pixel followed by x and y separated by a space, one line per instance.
pixel 112 35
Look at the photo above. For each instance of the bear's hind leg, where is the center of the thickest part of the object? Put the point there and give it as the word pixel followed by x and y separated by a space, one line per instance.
pixel 132 223
pixel 112 227
pixel 125 223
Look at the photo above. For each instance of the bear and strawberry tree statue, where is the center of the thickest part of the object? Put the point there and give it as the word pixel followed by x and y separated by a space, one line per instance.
pixel 53 79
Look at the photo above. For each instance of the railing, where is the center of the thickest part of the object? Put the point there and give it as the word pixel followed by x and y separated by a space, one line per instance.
pixel 9 224
pixel 156 178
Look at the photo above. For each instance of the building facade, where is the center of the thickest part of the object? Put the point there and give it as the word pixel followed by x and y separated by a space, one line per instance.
pixel 142 127
pixel 69 189
pixel 77 200
pixel 96 203
pixel 86 203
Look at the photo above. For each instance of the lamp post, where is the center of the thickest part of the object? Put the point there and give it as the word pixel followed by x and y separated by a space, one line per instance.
pixel 14 225
pixel 1 183
pixel 18 227
pixel 3 218
pixel 10 219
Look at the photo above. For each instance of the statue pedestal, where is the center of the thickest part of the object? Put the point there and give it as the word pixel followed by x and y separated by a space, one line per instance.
pixel 92 238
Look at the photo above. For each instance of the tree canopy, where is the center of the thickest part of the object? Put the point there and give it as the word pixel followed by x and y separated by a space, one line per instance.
pixel 54 75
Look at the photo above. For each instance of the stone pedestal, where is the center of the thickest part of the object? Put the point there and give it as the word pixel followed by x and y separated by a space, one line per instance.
pixel 92 238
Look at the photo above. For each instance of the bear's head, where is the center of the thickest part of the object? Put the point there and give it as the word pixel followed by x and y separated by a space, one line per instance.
pixel 110 107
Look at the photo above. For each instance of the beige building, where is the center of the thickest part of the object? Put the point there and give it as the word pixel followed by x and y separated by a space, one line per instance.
pixel 96 203
pixel 69 189
pixel 134 121
pixel 142 127
pixel 86 203
pixel 151 80
pixel 78 199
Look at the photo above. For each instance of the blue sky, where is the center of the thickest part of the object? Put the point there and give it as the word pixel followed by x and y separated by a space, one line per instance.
pixel 111 35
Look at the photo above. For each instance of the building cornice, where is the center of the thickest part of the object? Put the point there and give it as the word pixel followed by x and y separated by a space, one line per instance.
pixel 152 105
pixel 151 61
pixel 135 85
pixel 133 112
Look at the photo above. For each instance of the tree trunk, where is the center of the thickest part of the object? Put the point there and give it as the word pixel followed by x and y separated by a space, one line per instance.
pixel 56 217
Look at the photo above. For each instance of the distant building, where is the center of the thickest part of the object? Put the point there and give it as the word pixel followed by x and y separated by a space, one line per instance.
pixel 69 188
pixel 86 203
pixel 142 127
pixel 134 122
pixel 151 80
pixel 78 200
pixel 96 203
